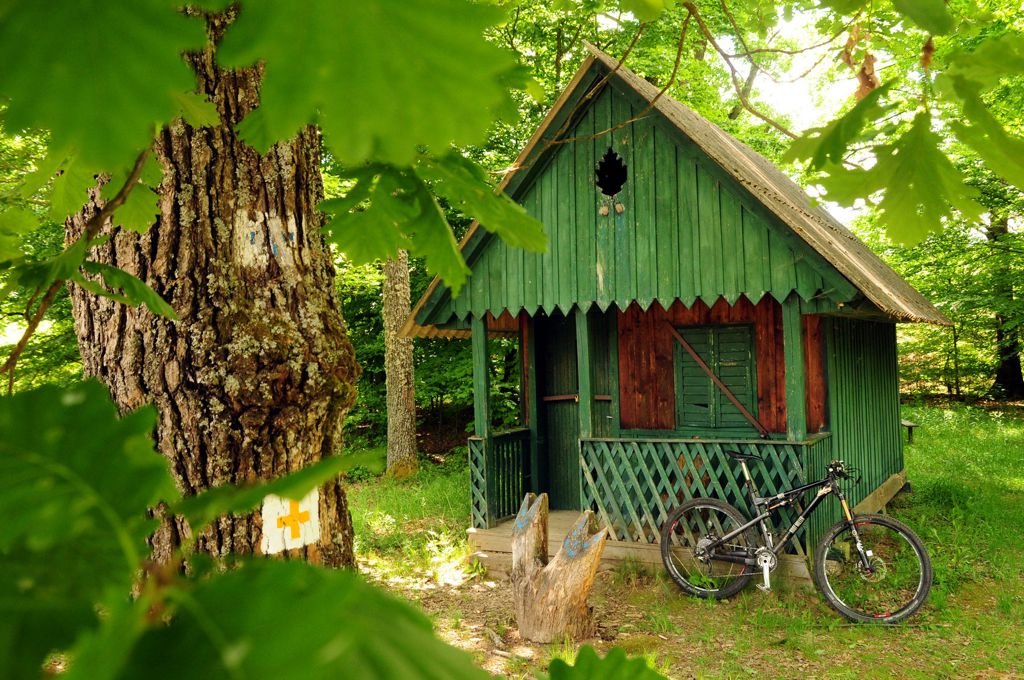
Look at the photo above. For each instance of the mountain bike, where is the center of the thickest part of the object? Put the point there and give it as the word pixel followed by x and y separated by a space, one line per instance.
pixel 869 567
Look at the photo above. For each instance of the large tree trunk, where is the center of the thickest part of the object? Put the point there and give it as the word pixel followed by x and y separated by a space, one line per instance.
pixel 1008 382
pixel 255 378
pixel 398 369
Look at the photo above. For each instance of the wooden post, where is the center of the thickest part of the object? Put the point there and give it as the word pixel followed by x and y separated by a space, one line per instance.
pixel 481 379
pixel 585 380
pixel 531 392
pixel 551 598
pixel 793 348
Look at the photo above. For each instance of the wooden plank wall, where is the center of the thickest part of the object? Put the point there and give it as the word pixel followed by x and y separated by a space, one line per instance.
pixel 686 231
pixel 646 351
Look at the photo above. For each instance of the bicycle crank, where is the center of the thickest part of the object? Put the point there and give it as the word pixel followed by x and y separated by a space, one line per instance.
pixel 767 561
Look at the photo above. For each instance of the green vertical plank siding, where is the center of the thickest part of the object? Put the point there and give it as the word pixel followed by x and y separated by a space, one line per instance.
pixel 667 241
pixel 604 224
pixel 687 257
pixel 864 399
pixel 709 218
pixel 793 348
pixel 625 261
pixel 687 230
pixel 643 181
pixel 586 202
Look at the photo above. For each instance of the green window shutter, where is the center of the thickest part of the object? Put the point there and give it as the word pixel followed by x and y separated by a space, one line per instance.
pixel 735 367
pixel 729 352
pixel 695 398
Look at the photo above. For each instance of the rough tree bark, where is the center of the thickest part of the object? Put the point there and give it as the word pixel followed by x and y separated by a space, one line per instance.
pixel 255 378
pixel 1008 382
pixel 551 598
pixel 398 369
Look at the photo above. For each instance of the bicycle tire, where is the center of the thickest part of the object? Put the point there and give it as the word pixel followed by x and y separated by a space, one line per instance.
pixel 898 582
pixel 684 528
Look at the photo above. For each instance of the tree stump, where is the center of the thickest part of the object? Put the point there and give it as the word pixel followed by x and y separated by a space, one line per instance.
pixel 551 598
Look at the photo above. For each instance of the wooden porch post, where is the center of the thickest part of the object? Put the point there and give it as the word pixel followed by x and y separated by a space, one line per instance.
pixel 586 390
pixel 793 348
pixel 481 379
pixel 531 393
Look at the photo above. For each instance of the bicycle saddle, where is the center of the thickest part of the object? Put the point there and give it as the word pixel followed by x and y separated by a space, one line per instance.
pixel 739 455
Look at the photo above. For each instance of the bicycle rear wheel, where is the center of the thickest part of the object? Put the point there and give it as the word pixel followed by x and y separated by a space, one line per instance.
pixel 892 588
pixel 697 570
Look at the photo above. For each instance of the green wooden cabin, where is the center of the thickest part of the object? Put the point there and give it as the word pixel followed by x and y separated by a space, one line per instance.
pixel 705 240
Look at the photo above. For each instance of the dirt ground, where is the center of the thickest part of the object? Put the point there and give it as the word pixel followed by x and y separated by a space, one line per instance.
pixel 787 633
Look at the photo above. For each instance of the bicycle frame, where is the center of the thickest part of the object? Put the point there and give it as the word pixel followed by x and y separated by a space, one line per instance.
pixel 766 505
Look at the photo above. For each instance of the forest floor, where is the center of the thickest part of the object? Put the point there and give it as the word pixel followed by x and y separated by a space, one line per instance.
pixel 967 469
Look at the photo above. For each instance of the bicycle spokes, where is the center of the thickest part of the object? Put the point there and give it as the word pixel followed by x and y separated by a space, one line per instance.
pixel 891 581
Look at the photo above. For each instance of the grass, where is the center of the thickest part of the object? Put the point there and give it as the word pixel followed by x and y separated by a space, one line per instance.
pixel 417 524
pixel 967 471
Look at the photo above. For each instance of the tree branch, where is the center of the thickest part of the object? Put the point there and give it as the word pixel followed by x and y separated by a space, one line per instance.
pixel 92 229
pixel 737 81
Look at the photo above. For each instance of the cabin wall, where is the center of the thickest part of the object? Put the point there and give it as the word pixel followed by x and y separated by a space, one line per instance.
pixel 646 351
pixel 864 399
pixel 686 230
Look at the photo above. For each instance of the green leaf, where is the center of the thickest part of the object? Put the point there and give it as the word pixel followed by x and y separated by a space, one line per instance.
pixel 135 292
pixel 281 620
pixel 614 666
pixel 71 189
pixel 921 186
pixel 14 224
pixel 828 144
pixel 99 76
pixel 1002 152
pixel 846 7
pixel 202 509
pixel 197 110
pixel 380 77
pixel 645 10
pixel 992 60
pixel 139 211
pixel 17 221
pixel 401 213
pixel 931 15
pixel 464 184
pixel 100 654
pixel 75 482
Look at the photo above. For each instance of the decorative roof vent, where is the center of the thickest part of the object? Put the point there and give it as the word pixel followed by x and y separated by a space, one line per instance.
pixel 611 173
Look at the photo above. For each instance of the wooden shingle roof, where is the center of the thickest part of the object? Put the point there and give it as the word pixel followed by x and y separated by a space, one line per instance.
pixel 839 247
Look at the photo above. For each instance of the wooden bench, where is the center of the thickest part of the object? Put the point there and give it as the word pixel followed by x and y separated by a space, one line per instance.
pixel 910 429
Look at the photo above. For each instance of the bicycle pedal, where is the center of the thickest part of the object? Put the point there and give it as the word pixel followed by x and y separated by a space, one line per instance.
pixel 763 588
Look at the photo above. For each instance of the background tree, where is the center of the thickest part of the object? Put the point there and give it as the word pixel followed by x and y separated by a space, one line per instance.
pixel 398 366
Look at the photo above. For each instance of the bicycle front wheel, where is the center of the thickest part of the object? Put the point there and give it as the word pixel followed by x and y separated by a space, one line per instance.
pixel 896 581
pixel 695 566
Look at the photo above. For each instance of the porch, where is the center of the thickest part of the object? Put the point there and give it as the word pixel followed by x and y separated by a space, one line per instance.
pixel 493 548
pixel 632 484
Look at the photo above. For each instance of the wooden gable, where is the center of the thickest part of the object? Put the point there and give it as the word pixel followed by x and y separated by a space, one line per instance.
pixel 686 231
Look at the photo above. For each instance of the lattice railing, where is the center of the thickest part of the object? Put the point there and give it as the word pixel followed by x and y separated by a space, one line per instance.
pixel 632 484
pixel 497 468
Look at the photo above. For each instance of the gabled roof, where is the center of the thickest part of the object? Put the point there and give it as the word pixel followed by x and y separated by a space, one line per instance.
pixel 875 280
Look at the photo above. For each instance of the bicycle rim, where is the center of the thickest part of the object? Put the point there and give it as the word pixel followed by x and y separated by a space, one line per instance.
pixel 701 573
pixel 891 589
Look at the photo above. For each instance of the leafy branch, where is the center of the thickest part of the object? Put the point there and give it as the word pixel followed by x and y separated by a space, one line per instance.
pixel 92 229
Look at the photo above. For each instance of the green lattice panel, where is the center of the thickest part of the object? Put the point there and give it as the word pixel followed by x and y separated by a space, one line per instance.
pixel 478 482
pixel 633 484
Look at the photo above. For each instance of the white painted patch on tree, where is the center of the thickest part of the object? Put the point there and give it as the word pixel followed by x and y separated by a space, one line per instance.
pixel 289 524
